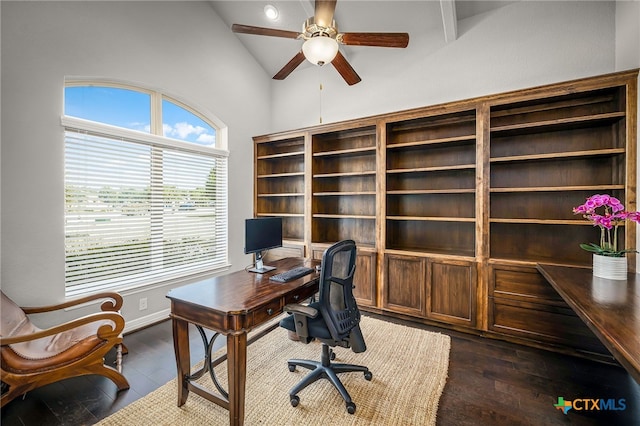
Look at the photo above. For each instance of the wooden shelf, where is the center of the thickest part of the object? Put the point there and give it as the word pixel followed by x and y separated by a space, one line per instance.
pixel 466 255
pixel 560 188
pixel 292 241
pixel 282 155
pixel 352 151
pixel 588 120
pixel 279 175
pixel 341 174
pixel 338 193
pixel 465 138
pixel 433 169
pixel 433 121
pixel 433 218
pixel 362 246
pixel 559 156
pixel 293 194
pixel 280 214
pixel 580 222
pixel 431 191
pixel 343 216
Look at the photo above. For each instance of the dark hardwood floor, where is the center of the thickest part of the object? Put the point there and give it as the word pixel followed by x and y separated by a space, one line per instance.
pixel 490 383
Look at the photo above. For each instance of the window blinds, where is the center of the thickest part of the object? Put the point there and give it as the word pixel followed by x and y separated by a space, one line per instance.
pixel 138 213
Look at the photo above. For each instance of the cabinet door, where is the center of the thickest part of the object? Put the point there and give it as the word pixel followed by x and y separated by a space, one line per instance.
pixel 365 279
pixel 404 289
pixel 452 291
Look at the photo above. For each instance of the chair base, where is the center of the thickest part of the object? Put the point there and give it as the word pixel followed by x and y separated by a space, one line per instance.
pixel 327 370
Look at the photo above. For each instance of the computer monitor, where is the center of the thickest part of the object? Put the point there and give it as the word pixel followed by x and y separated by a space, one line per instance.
pixel 262 234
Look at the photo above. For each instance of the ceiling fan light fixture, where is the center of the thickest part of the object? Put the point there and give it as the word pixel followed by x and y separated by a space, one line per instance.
pixel 320 50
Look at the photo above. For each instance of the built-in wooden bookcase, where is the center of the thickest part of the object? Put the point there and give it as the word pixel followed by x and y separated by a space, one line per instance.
pixel 547 156
pixel 344 186
pixel 453 205
pixel 431 184
pixel 430 216
pixel 280 184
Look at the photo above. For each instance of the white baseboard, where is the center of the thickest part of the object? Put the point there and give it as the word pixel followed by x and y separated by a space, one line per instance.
pixel 145 321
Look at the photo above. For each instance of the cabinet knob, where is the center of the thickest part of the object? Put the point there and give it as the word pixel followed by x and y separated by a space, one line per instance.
pixel 269 311
pixel 296 297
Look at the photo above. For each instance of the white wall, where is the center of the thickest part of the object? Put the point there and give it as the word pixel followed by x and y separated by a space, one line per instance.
pixel 182 48
pixel 520 45
pixel 627 34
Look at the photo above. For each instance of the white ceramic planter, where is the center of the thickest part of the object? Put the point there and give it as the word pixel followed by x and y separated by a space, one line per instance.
pixel 612 268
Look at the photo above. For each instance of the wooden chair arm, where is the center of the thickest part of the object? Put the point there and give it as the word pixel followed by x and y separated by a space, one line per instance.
pixel 114 304
pixel 104 332
pixel 305 310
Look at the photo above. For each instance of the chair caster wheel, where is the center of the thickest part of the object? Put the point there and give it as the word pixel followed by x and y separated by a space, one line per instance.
pixel 295 400
pixel 351 407
pixel 292 368
pixel 368 376
pixel 332 356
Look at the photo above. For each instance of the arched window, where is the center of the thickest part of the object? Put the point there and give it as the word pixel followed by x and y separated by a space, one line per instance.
pixel 145 188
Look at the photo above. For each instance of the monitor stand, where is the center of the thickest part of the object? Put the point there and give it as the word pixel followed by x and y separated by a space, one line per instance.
pixel 260 267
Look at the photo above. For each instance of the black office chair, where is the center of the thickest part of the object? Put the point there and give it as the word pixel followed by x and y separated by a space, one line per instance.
pixel 333 320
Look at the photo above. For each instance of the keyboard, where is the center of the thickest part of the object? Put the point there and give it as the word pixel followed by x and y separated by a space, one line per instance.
pixel 291 274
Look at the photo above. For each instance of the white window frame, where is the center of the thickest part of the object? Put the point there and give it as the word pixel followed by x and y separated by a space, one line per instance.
pixel 155 138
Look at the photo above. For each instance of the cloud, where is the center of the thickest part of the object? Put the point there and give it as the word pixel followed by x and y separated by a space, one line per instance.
pixel 206 139
pixel 185 131
pixel 142 127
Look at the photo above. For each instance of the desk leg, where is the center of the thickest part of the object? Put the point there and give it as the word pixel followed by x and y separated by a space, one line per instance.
pixel 183 358
pixel 237 370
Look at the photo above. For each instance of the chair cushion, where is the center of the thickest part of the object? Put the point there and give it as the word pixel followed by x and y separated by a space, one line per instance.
pixel 56 350
pixel 317 326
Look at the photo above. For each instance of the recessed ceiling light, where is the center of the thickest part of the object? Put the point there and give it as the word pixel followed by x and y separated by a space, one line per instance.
pixel 271 12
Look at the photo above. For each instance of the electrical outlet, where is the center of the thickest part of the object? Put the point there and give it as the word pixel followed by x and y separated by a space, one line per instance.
pixel 142 305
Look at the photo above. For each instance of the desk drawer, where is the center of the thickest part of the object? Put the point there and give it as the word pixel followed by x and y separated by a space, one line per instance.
pixel 264 313
pixel 301 294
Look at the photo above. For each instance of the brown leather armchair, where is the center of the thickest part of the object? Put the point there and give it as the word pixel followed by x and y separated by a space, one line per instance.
pixel 31 357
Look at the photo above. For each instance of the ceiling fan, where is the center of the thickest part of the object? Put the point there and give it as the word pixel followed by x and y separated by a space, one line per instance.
pixel 322 38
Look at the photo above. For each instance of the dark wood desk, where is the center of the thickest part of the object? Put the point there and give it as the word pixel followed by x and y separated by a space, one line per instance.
pixel 232 305
pixel 610 308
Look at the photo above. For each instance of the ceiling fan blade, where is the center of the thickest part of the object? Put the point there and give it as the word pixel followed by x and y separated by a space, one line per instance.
pixel 272 32
pixel 375 39
pixel 345 69
pixel 291 65
pixel 324 12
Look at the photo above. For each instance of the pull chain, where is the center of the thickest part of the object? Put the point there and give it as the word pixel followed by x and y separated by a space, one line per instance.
pixel 320 92
pixel 320 103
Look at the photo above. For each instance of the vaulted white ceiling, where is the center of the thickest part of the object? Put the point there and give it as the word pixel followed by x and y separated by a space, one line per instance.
pixel 419 18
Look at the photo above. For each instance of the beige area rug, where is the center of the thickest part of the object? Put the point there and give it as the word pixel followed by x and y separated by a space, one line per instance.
pixel 409 369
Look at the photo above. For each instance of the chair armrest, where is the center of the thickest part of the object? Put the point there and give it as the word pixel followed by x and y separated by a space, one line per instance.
pixel 113 304
pixel 104 331
pixel 300 315
pixel 305 310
